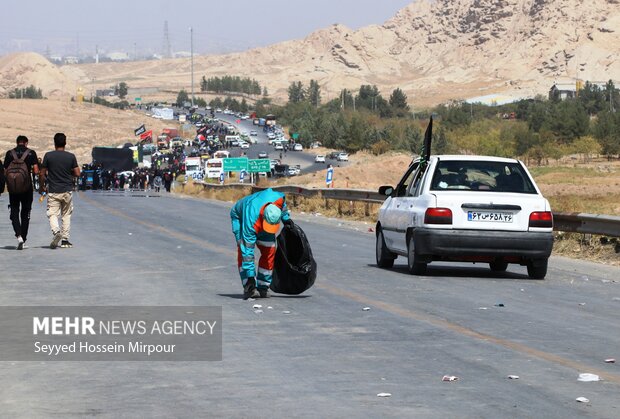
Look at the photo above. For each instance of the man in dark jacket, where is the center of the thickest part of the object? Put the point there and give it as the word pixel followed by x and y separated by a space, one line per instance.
pixel 20 203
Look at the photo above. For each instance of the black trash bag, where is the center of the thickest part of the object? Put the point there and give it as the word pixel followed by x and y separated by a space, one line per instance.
pixel 295 268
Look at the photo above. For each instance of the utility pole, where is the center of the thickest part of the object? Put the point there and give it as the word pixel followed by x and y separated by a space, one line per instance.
pixel 191 36
pixel 353 103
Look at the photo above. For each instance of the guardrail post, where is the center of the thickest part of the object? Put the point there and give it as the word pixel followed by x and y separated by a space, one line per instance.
pixel 367 209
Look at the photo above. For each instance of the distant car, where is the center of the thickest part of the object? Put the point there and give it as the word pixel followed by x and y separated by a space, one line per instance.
pixel 298 147
pixel 263 155
pixel 333 155
pixel 342 157
pixel 278 146
pixel 218 110
pixel 244 144
pixel 271 135
pixel 319 159
pixel 253 133
pixel 465 209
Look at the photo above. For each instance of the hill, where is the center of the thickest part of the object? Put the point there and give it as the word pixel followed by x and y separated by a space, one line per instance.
pixel 85 125
pixel 24 69
pixel 435 50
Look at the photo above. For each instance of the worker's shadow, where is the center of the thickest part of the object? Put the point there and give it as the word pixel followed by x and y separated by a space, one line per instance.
pixel 240 296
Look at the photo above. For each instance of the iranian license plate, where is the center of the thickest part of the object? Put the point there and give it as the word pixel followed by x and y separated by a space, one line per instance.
pixel 489 216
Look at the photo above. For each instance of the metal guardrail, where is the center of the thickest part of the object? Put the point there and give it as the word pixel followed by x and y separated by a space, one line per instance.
pixel 605 225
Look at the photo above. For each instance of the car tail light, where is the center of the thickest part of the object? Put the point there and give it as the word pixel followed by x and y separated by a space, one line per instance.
pixel 438 216
pixel 541 219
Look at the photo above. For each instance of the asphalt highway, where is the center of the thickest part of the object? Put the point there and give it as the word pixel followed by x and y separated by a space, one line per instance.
pixel 326 357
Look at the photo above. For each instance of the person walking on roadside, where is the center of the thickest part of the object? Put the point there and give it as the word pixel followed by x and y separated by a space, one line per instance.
pixel 20 164
pixel 59 168
pixel 255 221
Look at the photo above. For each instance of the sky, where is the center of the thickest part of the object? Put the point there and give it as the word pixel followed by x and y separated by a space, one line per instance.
pixel 137 26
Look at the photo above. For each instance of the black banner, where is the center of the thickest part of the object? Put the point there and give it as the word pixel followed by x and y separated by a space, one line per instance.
pixel 140 130
pixel 116 159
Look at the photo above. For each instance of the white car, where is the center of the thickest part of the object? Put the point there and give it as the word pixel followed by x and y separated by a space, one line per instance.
pixel 319 159
pixel 271 135
pixel 342 157
pixel 465 209
pixel 298 147
pixel 278 146
pixel 244 144
pixel 253 133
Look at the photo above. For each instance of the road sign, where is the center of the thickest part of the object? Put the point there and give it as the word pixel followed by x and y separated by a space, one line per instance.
pixel 222 177
pixel 259 166
pixel 138 99
pixel 295 135
pixel 235 164
pixel 330 176
pixel 242 176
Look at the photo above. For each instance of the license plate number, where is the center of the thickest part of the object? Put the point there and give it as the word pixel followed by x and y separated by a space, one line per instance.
pixel 487 216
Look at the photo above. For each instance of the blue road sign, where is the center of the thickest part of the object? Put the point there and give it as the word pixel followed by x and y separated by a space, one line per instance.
pixel 330 176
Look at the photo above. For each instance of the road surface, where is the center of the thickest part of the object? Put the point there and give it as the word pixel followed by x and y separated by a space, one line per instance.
pixel 327 357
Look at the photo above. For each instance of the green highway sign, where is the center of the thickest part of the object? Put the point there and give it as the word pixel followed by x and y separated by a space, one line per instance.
pixel 295 136
pixel 259 166
pixel 235 164
pixel 138 99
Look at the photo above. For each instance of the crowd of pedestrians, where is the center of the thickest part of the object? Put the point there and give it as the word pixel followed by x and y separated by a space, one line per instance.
pixel 54 177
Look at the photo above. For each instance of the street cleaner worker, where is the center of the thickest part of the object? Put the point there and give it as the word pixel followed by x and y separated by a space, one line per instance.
pixel 255 222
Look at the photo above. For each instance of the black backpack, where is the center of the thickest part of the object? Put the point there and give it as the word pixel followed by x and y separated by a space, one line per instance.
pixel 18 178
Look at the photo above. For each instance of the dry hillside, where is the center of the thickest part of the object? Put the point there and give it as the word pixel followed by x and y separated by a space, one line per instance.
pixel 85 125
pixel 25 69
pixel 435 50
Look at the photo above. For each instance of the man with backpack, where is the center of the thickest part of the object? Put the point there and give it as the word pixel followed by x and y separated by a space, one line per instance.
pixel 20 164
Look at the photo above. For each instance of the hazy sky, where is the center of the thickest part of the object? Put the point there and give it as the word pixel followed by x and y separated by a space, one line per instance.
pixel 66 25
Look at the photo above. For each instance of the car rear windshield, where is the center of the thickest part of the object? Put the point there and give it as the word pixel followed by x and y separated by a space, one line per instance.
pixel 487 176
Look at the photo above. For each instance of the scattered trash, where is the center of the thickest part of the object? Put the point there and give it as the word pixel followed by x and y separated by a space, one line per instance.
pixel 131 234
pixel 582 400
pixel 522 290
pixel 366 309
pixel 178 247
pixel 615 299
pixel 317 214
pixel 256 306
pixel 258 311
pixel 499 305
pixel 286 312
pixel 605 281
pixel 582 304
pixel 585 278
pixel 371 230
pixel 587 377
pixel 513 377
pixel 449 378
pixel 269 308
pixel 382 379
pixel 384 395
pixel 610 360
pixel 483 308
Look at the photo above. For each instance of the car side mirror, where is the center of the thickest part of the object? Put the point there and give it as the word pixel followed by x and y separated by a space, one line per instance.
pixel 386 190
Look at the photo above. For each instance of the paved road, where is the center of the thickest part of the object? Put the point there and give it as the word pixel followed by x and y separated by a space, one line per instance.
pixel 328 357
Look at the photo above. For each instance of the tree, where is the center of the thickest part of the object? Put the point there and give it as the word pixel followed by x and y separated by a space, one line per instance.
pixel 314 93
pixel 203 84
pixel 121 90
pixel 182 97
pixel 296 92
pixel 398 101
pixel 265 91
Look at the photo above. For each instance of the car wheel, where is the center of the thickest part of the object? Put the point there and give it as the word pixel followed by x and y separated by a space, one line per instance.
pixel 498 266
pixel 537 269
pixel 385 258
pixel 414 266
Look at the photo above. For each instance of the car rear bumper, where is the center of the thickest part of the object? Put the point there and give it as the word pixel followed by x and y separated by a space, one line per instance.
pixel 472 243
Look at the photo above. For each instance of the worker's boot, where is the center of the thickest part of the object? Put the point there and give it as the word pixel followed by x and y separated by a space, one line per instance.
pixel 249 290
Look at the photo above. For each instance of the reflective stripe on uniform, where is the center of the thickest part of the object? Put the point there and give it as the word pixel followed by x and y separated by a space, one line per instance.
pixel 266 244
pixel 265 272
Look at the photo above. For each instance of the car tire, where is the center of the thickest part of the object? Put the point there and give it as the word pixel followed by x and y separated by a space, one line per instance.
pixel 385 258
pixel 498 266
pixel 537 269
pixel 414 266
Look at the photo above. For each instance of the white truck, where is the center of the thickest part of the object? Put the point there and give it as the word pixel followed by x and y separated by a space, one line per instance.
pixel 193 168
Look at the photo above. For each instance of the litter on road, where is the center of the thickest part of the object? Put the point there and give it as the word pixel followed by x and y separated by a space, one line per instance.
pixel 610 360
pixel 269 308
pixel 587 377
pixel 384 395
pixel 255 306
pixel 286 312
pixel 483 308
pixel 258 311
pixel 582 400
pixel 499 305
pixel 513 377
pixel 449 378
pixel 366 309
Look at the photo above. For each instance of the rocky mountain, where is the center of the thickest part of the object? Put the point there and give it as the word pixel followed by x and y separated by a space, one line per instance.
pixel 435 50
